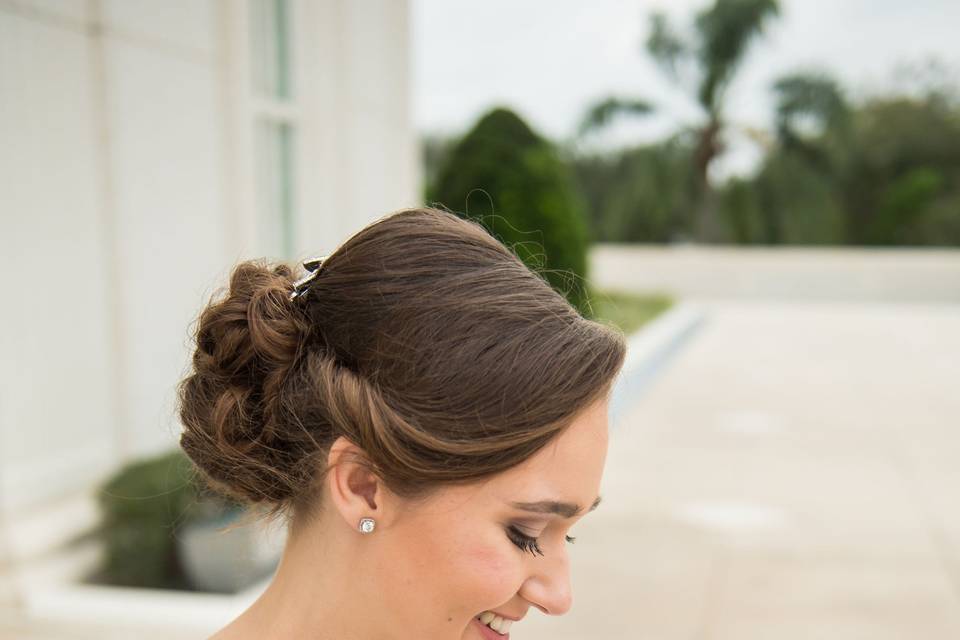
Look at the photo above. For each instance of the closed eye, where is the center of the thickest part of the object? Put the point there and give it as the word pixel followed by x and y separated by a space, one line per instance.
pixel 528 543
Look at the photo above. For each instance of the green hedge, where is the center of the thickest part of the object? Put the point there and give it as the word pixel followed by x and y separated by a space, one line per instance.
pixel 513 182
pixel 143 505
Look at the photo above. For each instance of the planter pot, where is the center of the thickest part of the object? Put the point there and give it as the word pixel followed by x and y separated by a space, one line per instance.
pixel 228 560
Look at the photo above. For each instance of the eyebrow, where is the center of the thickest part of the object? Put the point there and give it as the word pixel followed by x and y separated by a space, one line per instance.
pixel 565 509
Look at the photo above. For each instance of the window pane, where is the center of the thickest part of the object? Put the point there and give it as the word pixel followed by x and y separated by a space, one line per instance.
pixel 270 48
pixel 276 206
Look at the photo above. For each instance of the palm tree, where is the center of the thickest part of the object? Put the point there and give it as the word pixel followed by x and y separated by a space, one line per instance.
pixel 810 100
pixel 704 64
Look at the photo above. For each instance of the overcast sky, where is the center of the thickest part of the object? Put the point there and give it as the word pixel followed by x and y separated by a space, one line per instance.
pixel 550 59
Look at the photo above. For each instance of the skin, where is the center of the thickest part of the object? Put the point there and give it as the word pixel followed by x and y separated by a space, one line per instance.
pixel 430 566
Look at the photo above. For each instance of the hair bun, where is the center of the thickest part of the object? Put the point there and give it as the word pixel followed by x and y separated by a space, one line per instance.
pixel 247 342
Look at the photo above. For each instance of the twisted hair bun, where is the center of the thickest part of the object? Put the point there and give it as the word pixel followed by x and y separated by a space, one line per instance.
pixel 247 344
pixel 423 340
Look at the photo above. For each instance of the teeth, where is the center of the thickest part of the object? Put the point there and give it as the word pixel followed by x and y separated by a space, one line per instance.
pixel 495 622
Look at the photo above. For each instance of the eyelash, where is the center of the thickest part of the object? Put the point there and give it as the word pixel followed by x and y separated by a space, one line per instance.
pixel 527 543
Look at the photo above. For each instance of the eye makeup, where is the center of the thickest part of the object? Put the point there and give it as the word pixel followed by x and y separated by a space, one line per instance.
pixel 527 543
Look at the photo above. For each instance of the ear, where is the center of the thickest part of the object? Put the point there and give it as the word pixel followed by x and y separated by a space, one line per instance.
pixel 355 491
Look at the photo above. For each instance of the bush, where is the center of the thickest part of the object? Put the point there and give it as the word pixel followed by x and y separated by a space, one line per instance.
pixel 507 178
pixel 143 505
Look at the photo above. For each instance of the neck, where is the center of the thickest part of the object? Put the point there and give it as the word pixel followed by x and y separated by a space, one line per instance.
pixel 323 589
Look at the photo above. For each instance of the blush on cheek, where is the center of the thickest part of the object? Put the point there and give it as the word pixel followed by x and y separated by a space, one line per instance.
pixel 492 572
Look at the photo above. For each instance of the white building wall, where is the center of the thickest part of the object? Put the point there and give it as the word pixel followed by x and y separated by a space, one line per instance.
pixel 58 385
pixel 128 191
pixel 164 162
pixel 376 145
pixel 361 157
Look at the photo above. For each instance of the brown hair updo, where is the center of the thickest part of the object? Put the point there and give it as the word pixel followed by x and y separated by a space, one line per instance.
pixel 422 339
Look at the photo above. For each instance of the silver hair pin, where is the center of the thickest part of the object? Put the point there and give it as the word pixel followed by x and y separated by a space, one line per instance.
pixel 300 286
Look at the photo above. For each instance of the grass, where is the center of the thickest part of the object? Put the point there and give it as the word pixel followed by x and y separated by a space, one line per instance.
pixel 628 311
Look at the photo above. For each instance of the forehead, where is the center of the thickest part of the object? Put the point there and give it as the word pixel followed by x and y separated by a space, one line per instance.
pixel 570 467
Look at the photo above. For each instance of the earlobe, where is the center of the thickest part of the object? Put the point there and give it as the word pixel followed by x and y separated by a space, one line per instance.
pixel 354 489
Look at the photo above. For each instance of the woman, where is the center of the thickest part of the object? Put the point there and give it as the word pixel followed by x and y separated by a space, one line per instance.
pixel 428 414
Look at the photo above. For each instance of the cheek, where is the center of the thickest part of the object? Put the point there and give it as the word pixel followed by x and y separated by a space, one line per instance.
pixel 495 570
pixel 485 574
pixel 463 566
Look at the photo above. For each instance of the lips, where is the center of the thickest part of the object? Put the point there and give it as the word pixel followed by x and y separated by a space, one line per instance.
pixel 488 633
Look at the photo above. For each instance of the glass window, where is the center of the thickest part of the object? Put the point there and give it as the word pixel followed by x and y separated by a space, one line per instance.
pixel 274 122
pixel 270 31
pixel 275 183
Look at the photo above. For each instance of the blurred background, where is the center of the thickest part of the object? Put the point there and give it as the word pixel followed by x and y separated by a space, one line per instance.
pixel 763 194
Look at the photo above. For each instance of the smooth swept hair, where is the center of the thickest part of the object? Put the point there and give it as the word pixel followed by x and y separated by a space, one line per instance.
pixel 422 339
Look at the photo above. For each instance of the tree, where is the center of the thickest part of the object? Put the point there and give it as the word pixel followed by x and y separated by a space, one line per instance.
pixel 883 171
pixel 641 194
pixel 513 182
pixel 807 105
pixel 704 64
pixel 901 168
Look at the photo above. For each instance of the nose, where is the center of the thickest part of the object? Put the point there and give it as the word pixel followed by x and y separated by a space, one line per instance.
pixel 548 588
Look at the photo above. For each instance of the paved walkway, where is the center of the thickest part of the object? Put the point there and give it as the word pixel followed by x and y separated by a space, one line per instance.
pixel 793 474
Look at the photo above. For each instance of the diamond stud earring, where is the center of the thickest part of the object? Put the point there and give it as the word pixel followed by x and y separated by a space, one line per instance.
pixel 367 525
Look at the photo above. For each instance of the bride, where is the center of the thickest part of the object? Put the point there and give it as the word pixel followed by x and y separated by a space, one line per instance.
pixel 427 415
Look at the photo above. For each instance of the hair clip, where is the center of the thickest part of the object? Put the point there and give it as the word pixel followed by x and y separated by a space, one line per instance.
pixel 312 265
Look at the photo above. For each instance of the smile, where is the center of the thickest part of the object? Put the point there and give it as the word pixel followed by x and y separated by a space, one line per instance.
pixel 488 633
